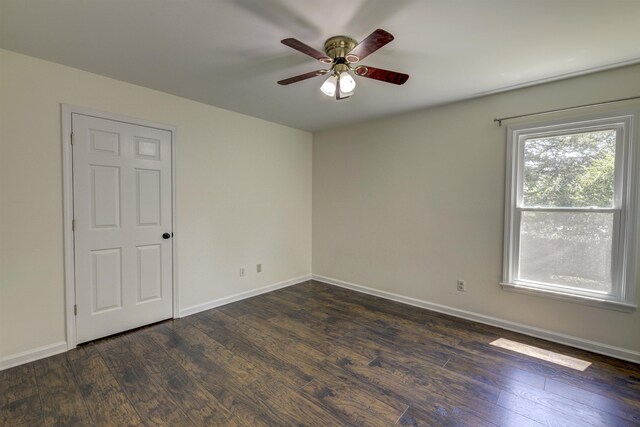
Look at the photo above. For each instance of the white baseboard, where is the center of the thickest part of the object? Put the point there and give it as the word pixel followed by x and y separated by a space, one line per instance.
pixel 242 295
pixel 31 355
pixel 596 347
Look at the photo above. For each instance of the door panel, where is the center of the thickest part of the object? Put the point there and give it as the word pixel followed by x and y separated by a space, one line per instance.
pixel 122 206
pixel 105 196
pixel 149 273
pixel 106 279
pixel 148 196
pixel 107 142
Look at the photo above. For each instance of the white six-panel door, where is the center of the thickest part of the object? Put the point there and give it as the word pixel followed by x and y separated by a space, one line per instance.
pixel 122 207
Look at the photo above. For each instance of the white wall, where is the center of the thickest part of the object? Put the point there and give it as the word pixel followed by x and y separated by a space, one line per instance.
pixel 243 194
pixel 411 203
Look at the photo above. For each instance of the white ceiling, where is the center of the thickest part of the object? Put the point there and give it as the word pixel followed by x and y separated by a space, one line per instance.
pixel 228 53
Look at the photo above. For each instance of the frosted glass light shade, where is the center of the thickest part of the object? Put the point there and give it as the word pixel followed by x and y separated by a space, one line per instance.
pixel 347 83
pixel 329 85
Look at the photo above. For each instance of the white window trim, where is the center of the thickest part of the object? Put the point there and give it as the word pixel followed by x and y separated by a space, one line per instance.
pixel 625 206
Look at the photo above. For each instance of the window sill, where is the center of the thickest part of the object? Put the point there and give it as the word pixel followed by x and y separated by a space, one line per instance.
pixel 594 302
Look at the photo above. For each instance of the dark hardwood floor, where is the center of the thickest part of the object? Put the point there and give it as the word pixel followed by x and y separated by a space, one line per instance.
pixel 314 354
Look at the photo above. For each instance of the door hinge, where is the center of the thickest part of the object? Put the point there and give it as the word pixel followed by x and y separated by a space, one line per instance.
pixel 73 225
pixel 71 138
pixel 75 309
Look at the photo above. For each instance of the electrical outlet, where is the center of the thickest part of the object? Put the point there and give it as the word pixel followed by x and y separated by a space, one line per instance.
pixel 241 271
pixel 259 268
pixel 461 285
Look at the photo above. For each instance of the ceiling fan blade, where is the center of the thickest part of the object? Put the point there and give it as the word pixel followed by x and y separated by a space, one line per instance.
pixel 366 47
pixel 382 75
pixel 307 50
pixel 302 77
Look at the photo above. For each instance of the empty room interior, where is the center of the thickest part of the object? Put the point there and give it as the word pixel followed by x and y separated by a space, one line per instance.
pixel 322 213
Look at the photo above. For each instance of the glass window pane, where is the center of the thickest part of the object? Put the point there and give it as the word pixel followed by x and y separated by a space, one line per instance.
pixel 567 249
pixel 574 170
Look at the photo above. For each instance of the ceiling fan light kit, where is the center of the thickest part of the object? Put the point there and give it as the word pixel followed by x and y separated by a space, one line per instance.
pixel 347 83
pixel 329 86
pixel 341 53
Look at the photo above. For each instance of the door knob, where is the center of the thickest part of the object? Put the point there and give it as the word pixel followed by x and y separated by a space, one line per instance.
pixel 166 236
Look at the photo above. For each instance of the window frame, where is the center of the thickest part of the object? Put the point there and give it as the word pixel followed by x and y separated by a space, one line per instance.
pixel 624 209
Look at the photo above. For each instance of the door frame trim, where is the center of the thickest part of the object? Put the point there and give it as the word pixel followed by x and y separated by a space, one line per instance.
pixel 67 195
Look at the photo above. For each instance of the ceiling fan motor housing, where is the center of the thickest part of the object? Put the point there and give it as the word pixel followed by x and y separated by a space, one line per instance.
pixel 339 47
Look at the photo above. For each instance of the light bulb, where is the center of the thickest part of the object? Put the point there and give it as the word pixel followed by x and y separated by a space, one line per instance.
pixel 347 84
pixel 329 85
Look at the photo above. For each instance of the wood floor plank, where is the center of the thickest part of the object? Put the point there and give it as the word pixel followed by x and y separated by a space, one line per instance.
pixel 230 389
pixel 149 399
pixel 106 401
pixel 285 301
pixel 323 324
pixel 284 344
pixel 292 357
pixel 60 397
pixel 202 408
pixel 351 404
pixel 266 393
pixel 327 306
pixel 439 415
pixel 568 407
pixel 425 384
pixel 539 413
pixel 284 329
pixel 264 382
pixel 295 409
pixel 437 408
pixel 251 306
pixel 17 383
pixel 333 371
pixel 299 331
pixel 491 374
pixel 224 332
pixel 374 343
pixel 617 407
pixel 235 367
pixel 591 379
pixel 26 412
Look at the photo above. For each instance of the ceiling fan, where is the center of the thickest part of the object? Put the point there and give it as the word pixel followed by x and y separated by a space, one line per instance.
pixel 341 53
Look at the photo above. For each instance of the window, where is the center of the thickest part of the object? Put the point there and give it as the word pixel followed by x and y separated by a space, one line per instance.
pixel 570 211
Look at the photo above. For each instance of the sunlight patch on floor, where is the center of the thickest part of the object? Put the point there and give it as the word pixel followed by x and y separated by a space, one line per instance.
pixel 538 353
